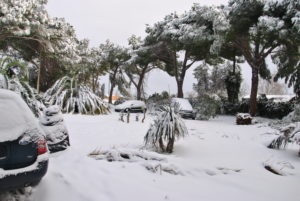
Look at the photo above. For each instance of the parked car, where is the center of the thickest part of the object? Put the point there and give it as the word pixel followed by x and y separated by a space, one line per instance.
pixel 133 106
pixel 23 148
pixel 185 108
pixel 55 129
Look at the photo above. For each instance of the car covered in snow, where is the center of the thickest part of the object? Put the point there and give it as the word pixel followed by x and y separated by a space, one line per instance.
pixel 52 123
pixel 132 106
pixel 185 108
pixel 23 148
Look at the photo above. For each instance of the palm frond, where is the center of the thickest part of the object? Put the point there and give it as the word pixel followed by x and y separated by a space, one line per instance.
pixel 73 97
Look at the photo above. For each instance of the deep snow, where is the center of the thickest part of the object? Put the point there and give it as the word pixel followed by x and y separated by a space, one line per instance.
pixel 217 161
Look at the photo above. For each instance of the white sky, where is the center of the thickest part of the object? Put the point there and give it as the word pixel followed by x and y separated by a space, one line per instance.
pixel 117 20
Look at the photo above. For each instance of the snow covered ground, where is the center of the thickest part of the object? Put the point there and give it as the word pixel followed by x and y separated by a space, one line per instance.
pixel 217 161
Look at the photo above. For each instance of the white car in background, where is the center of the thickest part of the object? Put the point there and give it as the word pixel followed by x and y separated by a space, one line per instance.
pixel 185 108
pixel 132 106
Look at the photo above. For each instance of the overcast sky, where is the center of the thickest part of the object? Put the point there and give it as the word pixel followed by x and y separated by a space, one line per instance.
pixel 117 20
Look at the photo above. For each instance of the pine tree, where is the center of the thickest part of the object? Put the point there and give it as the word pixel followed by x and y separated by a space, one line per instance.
pixel 259 29
pixel 189 36
pixel 114 58
pixel 141 63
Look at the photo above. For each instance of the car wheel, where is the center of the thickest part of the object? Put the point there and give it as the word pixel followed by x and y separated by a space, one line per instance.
pixel 35 183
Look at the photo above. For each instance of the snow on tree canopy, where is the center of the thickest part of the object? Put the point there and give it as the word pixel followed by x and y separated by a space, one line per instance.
pixel 16 118
pixel 19 17
pixel 28 20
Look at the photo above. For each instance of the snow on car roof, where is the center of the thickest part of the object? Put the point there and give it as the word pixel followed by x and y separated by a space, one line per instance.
pixel 15 116
pixel 131 103
pixel 184 104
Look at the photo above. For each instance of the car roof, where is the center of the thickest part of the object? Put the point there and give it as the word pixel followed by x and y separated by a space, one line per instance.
pixel 15 116
pixel 184 104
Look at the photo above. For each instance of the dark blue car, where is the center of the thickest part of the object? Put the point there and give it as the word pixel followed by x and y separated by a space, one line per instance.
pixel 23 148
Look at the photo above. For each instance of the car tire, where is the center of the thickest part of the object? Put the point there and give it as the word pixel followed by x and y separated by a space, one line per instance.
pixel 35 183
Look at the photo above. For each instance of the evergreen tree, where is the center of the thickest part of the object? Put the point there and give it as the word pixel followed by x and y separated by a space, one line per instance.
pixel 27 28
pixel 114 58
pixel 189 35
pixel 259 29
pixel 141 63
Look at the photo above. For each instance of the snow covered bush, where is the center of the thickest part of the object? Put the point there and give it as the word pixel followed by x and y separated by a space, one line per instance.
pixel 165 130
pixel 265 108
pixel 205 107
pixel 271 109
pixel 52 123
pixel 290 134
pixel 293 116
pixel 73 97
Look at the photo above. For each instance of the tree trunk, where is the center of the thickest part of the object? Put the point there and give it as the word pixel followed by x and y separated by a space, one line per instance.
pixel 170 145
pixel 38 78
pixel 93 84
pixel 180 83
pixel 111 93
pixel 161 144
pixel 138 92
pixel 139 88
pixel 38 82
pixel 113 84
pixel 234 64
pixel 179 89
pixel 254 88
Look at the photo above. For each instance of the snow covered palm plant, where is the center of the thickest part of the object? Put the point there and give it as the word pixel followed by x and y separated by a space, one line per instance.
pixel 29 95
pixel 14 77
pixel 290 134
pixel 73 97
pixel 165 130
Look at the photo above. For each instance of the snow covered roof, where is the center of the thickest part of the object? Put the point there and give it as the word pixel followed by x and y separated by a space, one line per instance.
pixel 184 104
pixel 15 116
